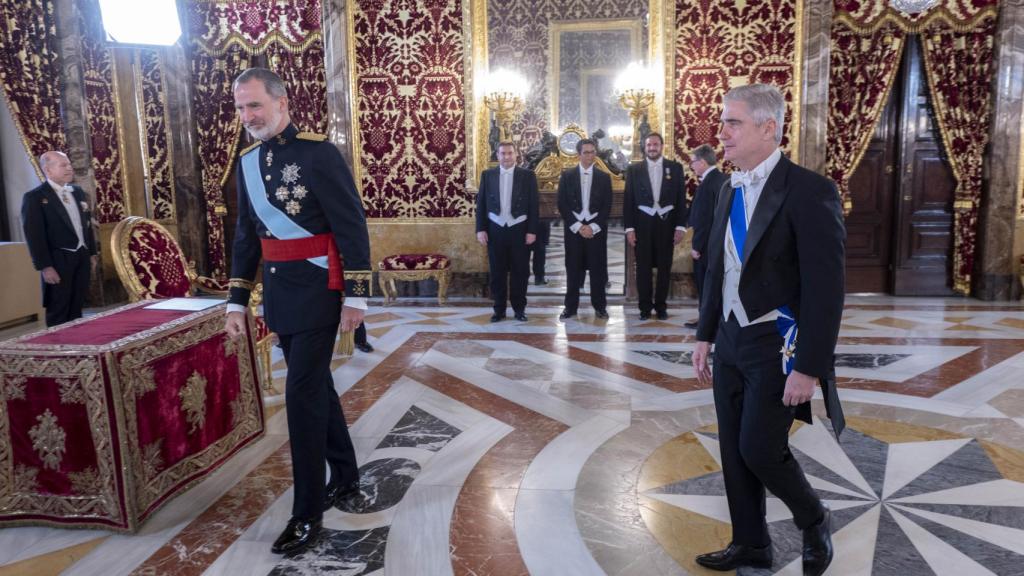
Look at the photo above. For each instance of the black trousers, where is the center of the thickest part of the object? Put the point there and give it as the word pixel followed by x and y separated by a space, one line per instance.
pixel 654 249
pixel 582 254
pixel 753 432
pixel 316 424
pixel 539 250
pixel 64 300
pixel 360 335
pixel 508 254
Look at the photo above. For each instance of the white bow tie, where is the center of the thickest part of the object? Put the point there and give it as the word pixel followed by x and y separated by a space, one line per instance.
pixel 745 179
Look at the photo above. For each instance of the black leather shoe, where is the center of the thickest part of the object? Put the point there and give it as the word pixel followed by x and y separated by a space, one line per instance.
pixel 565 315
pixel 602 314
pixel 541 282
pixel 497 317
pixel 297 536
pixel 521 316
pixel 662 315
pixel 692 324
pixel 364 347
pixel 737 555
pixel 645 315
pixel 338 494
pixel 818 546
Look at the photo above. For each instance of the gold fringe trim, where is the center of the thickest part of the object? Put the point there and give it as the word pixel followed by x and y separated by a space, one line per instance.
pixel 940 17
pixel 237 40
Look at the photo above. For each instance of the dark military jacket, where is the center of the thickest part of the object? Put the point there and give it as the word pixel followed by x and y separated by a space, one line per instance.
pixel 305 177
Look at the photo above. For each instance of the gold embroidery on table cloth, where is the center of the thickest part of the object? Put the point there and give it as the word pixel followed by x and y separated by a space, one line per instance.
pixel 151 481
pixel 193 401
pixel 231 346
pixel 18 489
pixel 48 440
pixel 87 481
pixel 71 391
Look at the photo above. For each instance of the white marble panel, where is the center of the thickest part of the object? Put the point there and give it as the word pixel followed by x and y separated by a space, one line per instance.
pixel 675 402
pixel 456 460
pixel 982 387
pixel 908 460
pixel 549 539
pixel 558 464
pixel 944 559
pixel 418 541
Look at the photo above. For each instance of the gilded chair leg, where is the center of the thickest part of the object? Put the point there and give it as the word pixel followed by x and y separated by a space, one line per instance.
pixel 383 281
pixel 442 287
pixel 263 349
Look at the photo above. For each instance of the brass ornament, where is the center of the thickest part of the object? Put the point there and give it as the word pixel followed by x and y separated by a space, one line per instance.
pixel 48 440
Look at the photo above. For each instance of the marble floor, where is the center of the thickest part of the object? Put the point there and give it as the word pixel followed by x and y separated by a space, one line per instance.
pixel 554 268
pixel 588 447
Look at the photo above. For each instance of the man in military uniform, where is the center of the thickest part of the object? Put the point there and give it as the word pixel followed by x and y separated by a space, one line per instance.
pixel 299 209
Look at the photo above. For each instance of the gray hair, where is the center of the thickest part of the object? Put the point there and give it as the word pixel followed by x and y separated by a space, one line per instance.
pixel 765 103
pixel 44 158
pixel 706 153
pixel 271 81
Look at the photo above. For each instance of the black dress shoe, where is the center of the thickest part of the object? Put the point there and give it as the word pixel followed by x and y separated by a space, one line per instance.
pixel 497 317
pixel 818 546
pixel 737 555
pixel 645 315
pixel 565 315
pixel 521 316
pixel 339 494
pixel 364 347
pixel 662 315
pixel 541 282
pixel 602 314
pixel 297 536
pixel 692 324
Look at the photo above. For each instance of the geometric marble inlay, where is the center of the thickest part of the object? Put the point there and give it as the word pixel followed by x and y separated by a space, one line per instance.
pixel 383 483
pixel 921 507
pixel 419 429
pixel 348 553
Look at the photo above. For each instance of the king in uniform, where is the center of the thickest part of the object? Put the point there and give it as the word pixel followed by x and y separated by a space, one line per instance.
pixel 299 211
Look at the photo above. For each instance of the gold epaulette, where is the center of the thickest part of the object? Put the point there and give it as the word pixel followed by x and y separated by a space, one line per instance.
pixel 240 283
pixel 249 147
pixel 311 136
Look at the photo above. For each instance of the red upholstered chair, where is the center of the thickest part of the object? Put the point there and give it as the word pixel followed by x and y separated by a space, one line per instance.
pixel 411 268
pixel 151 265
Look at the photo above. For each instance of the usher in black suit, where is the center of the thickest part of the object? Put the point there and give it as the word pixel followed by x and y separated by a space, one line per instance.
pixel 702 212
pixel 585 253
pixel 654 234
pixel 52 242
pixel 794 256
pixel 507 251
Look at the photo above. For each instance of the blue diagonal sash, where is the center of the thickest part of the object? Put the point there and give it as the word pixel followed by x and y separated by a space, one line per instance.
pixel 786 322
pixel 279 224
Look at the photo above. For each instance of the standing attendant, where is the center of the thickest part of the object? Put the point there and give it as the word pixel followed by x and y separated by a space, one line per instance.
pixel 507 219
pixel 654 213
pixel 703 163
pixel 55 217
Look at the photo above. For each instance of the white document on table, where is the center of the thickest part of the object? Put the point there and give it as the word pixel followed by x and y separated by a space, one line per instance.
pixel 188 304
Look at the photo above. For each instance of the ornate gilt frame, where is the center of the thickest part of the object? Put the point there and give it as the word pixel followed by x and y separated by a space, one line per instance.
pixel 555 29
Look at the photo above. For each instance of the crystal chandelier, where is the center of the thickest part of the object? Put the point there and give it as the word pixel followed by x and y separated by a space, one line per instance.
pixel 912 6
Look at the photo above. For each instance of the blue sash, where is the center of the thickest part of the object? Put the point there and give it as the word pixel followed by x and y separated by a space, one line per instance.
pixel 786 322
pixel 279 224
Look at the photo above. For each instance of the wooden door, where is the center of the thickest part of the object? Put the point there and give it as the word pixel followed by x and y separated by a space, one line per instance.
pixel 869 225
pixel 924 209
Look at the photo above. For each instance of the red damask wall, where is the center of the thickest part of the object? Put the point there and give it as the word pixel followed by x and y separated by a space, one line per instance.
pixel 722 44
pixel 410 108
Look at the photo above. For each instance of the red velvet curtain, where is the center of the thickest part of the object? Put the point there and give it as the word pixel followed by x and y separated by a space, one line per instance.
pixel 959 67
pixel 219 129
pixel 304 74
pixel 30 73
pixel 862 67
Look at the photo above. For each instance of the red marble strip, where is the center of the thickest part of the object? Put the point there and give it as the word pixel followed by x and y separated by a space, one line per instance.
pixel 200 543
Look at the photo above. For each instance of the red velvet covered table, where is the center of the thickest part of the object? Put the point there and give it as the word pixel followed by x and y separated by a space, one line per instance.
pixel 105 419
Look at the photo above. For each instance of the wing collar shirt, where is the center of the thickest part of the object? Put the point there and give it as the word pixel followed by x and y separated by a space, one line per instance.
pixel 586 179
pixel 655 171
pixel 505 190
pixel 752 183
pixel 67 199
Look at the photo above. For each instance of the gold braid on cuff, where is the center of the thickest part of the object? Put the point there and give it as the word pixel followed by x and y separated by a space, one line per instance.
pixel 240 283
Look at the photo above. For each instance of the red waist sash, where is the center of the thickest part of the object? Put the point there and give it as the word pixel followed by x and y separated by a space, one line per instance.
pixel 305 248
